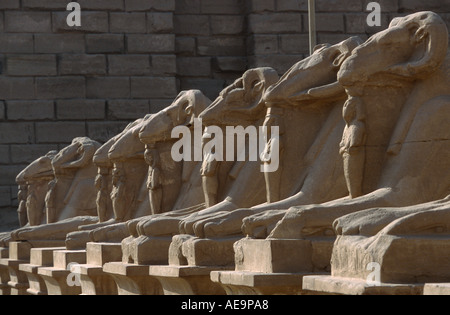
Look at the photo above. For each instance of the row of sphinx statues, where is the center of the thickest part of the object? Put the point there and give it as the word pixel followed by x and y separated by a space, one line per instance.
pixel 364 150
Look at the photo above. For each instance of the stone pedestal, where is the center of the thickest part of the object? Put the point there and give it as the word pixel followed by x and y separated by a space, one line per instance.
pixel 385 264
pixel 133 279
pixel 437 289
pixel 256 283
pixel 4 273
pixel 146 250
pixel 186 280
pixel 93 280
pixel 39 257
pixel 191 261
pixel 328 285
pixel 19 253
pixel 274 266
pixel 61 279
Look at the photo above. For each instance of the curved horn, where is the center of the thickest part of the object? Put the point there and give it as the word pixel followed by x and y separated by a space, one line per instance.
pixel 88 152
pixel 256 82
pixel 432 29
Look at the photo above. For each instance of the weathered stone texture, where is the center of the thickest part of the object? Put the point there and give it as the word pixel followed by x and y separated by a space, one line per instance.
pixel 131 57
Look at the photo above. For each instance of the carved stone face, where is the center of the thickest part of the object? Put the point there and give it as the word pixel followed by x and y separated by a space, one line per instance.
pixel 128 145
pixel 411 47
pixel 77 155
pixel 318 70
pixel 241 102
pixel 40 168
pixel 187 106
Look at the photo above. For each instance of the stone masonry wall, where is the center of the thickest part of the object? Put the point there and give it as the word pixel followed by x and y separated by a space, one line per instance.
pixel 132 57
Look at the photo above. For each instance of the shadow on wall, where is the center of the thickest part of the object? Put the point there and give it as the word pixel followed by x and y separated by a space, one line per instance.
pixel 8 219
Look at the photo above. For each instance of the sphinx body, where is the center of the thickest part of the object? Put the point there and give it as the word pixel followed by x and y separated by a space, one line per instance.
pixel 403 92
pixel 307 103
pixel 170 188
pixel 36 176
pixel 33 186
pixel 239 104
pixel 70 199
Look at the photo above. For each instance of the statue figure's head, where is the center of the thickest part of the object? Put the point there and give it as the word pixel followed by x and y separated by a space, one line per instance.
pixel 101 158
pixel 411 48
pixel 77 155
pixel 242 102
pixel 314 77
pixel 185 108
pixel 127 145
pixel 39 169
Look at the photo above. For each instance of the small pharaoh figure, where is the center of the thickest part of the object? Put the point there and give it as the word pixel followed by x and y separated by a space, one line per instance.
pixel 22 209
pixel 154 181
pixel 352 145
pixel 209 174
pixel 273 142
pixel 50 201
pixel 103 197
pixel 118 193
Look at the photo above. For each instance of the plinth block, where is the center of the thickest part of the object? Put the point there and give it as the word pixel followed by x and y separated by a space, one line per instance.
pixel 94 281
pixel 39 257
pixel 436 289
pixel 19 250
pixel 62 258
pixel 187 280
pixel 4 273
pixel 4 252
pixel 283 256
pixel 98 254
pixel 399 259
pixel 17 280
pixel 209 252
pixel 257 283
pixel 59 279
pixel 348 286
pixel 133 279
pixel 146 250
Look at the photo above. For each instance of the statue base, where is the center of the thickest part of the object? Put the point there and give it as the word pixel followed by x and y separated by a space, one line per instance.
pixel 256 283
pixel 4 273
pixel 186 280
pixel 191 261
pixel 393 259
pixel 384 264
pixel 437 289
pixel 133 279
pixel 146 250
pixel 284 256
pixel 39 257
pixel 19 253
pixel 274 266
pixel 328 285
pixel 93 280
pixel 58 278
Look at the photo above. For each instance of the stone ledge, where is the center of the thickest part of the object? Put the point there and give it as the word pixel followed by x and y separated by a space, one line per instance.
pixel 182 271
pixel 349 286
pixel 122 269
pixel 436 289
pixel 257 279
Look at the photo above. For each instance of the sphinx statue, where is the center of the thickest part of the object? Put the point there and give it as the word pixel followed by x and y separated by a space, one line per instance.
pixel 397 85
pixel 120 183
pixel 307 103
pixel 177 183
pixel 240 105
pixel 70 200
pixel 22 199
pixel 36 176
pixel 33 187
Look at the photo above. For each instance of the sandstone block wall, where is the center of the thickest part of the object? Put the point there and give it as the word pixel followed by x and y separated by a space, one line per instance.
pixel 132 57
